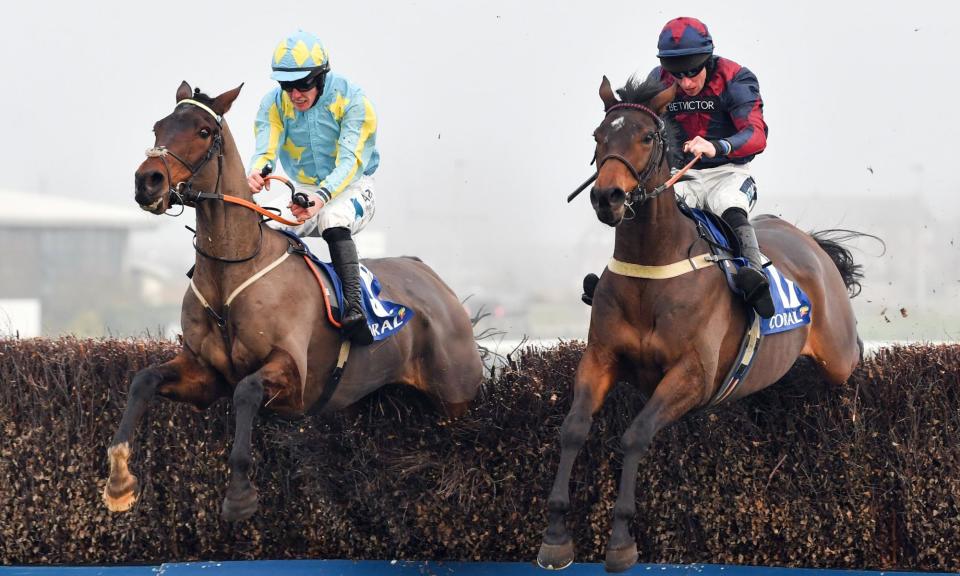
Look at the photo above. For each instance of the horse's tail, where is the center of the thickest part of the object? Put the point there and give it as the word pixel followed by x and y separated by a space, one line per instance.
pixel 832 243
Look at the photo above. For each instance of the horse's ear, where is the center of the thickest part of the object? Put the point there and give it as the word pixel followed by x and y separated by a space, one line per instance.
pixel 223 102
pixel 606 94
pixel 184 91
pixel 660 101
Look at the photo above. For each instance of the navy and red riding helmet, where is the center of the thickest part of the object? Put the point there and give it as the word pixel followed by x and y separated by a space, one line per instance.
pixel 684 44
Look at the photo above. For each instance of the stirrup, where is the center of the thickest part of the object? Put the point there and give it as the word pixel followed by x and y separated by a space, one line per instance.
pixel 356 330
pixel 761 301
pixel 757 295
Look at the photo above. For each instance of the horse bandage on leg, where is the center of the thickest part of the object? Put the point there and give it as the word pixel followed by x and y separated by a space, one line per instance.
pixel 119 494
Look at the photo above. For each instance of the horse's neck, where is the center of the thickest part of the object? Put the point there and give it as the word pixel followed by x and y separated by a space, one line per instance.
pixel 657 235
pixel 225 230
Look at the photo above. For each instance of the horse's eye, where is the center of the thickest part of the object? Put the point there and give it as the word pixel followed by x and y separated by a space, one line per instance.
pixel 648 138
pixel 204 133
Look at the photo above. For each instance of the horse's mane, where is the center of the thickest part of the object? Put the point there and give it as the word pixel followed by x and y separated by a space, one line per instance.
pixel 640 90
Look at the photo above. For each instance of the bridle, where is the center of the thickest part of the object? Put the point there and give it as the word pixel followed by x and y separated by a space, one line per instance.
pixel 638 195
pixel 183 191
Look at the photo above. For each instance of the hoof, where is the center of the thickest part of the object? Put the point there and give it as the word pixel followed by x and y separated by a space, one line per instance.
pixel 120 496
pixel 620 559
pixel 555 556
pixel 236 509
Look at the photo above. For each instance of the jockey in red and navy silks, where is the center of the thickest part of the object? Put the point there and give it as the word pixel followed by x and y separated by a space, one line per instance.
pixel 718 109
pixel 728 112
pixel 718 106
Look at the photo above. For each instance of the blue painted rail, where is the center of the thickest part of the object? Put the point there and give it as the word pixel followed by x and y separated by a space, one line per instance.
pixel 398 568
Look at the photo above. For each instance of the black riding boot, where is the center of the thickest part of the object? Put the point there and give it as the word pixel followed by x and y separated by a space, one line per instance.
pixel 589 286
pixel 343 253
pixel 750 279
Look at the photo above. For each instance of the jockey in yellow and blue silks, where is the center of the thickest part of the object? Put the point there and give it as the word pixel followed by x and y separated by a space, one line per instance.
pixel 323 130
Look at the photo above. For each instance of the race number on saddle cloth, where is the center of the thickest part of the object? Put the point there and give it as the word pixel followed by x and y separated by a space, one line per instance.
pixel 791 303
pixel 385 318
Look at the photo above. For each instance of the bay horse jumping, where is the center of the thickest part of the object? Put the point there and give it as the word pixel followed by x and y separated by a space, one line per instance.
pixel 275 350
pixel 677 338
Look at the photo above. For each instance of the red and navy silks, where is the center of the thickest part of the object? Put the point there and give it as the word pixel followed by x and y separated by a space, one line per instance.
pixel 729 107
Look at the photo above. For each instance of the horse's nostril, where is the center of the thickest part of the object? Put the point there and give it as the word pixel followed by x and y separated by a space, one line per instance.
pixel 154 180
pixel 617 196
pixel 148 183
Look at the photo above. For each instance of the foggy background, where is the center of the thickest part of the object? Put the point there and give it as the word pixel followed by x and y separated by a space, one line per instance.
pixel 485 114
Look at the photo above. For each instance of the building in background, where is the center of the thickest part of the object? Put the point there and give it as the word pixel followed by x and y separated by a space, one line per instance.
pixel 66 261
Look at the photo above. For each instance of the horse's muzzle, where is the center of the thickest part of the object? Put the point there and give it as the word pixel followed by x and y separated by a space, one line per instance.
pixel 608 203
pixel 150 189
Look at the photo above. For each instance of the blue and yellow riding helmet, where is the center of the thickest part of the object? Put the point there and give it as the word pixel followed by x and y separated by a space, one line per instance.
pixel 297 56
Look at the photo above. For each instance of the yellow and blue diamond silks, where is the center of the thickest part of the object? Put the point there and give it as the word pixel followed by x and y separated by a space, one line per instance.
pixel 330 145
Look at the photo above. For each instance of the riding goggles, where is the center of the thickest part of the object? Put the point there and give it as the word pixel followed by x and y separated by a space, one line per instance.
pixel 301 85
pixel 688 73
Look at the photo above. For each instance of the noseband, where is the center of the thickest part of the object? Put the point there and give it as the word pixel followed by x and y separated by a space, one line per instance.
pixel 183 191
pixel 638 195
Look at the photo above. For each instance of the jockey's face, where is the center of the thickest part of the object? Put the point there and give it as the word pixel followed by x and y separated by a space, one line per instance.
pixel 302 101
pixel 693 85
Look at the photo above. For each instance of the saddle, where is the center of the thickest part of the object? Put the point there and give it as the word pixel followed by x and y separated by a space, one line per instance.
pixel 792 305
pixel 385 318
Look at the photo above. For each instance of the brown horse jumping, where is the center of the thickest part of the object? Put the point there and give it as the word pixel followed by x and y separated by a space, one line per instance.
pixel 274 350
pixel 677 338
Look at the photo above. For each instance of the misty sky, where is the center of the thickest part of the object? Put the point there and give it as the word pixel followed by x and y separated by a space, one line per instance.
pixel 486 109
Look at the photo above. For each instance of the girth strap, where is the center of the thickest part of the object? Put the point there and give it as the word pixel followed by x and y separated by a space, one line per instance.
pixel 335 376
pixel 749 347
pixel 661 272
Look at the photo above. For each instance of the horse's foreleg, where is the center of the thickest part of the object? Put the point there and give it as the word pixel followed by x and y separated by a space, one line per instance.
pixel 182 372
pixel 241 500
pixel 680 390
pixel 280 373
pixel 594 378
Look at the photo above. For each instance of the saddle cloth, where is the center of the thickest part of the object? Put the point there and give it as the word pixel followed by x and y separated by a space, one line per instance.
pixel 385 318
pixel 790 301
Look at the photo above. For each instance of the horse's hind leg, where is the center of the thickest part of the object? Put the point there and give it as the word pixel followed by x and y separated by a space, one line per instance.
pixel 278 373
pixel 595 376
pixel 179 379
